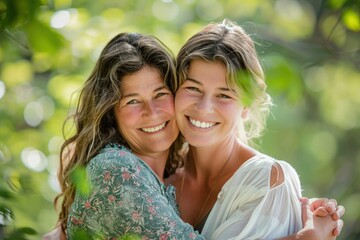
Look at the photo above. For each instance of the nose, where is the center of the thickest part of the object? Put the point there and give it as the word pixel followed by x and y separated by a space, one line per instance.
pixel 204 105
pixel 150 109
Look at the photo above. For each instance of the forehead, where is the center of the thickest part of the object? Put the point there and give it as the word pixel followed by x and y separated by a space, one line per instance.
pixel 146 78
pixel 207 71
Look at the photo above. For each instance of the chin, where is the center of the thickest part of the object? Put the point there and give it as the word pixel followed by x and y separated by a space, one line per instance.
pixel 159 149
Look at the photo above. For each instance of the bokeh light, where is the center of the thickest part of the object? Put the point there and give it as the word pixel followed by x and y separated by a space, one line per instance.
pixel 54 144
pixel 48 106
pixel 209 10
pixel 323 146
pixel 316 79
pixel 33 114
pixel 14 73
pixel 54 183
pixel 2 89
pixel 165 11
pixel 53 163
pixel 60 19
pixel 293 9
pixel 33 159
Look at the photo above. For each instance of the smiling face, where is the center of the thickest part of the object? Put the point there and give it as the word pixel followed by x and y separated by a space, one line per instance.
pixel 207 111
pixel 145 113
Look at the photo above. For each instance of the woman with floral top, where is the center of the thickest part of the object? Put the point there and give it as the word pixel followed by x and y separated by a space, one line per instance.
pixel 125 138
pixel 113 167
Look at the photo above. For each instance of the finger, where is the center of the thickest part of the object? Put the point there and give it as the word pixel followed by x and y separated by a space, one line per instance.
pixel 340 211
pixel 330 207
pixel 305 210
pixel 338 228
pixel 320 212
pixel 303 200
pixel 333 201
pixel 56 233
pixel 316 203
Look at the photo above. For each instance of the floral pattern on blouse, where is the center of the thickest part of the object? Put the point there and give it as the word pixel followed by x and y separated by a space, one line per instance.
pixel 126 201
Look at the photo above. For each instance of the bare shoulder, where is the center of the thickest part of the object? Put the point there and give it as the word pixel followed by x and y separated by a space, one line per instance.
pixel 246 152
pixel 277 175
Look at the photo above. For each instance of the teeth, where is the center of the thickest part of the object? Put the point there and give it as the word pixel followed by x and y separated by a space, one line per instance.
pixel 199 124
pixel 154 129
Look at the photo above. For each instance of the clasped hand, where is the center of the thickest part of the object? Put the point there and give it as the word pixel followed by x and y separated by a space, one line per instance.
pixel 321 218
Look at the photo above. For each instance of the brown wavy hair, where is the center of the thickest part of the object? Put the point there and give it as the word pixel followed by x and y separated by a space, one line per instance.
pixel 94 119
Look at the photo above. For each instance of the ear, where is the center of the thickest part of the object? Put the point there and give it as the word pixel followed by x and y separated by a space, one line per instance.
pixel 244 113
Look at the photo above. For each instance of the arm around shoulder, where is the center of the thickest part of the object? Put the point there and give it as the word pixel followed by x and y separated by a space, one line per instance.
pixel 128 200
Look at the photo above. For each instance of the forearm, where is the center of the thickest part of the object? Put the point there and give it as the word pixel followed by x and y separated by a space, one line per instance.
pixel 127 199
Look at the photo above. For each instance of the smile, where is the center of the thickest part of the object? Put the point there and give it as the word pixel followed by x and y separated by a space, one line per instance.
pixel 199 124
pixel 154 129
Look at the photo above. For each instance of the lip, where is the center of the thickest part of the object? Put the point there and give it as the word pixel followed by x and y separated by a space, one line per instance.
pixel 154 129
pixel 198 124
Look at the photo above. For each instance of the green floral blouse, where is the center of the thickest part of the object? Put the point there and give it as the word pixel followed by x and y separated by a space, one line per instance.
pixel 126 201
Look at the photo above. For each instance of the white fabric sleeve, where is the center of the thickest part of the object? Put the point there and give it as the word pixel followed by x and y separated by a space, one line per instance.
pixel 268 213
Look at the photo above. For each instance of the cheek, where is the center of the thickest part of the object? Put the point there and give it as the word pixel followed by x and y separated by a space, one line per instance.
pixel 167 105
pixel 181 101
pixel 232 111
pixel 127 118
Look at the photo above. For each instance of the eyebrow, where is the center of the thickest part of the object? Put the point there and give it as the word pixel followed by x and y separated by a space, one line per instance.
pixel 136 94
pixel 199 83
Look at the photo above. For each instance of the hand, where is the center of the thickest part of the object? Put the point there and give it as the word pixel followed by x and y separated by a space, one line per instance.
pixel 322 207
pixel 55 234
pixel 315 228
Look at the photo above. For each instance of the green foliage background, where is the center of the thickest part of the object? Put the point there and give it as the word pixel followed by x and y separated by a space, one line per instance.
pixel 309 50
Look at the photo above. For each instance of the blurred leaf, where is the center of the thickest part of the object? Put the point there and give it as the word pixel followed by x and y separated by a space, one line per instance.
pixel 14 183
pixel 20 234
pixel 282 78
pixel 27 230
pixel 21 182
pixel 337 3
pixel 248 88
pixel 42 38
pixel 79 178
pixel 27 183
pixel 6 213
pixel 130 237
pixel 351 19
pixel 4 193
pixel 84 235
pixel 15 13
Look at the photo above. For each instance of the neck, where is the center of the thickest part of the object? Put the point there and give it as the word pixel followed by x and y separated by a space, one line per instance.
pixel 156 161
pixel 206 162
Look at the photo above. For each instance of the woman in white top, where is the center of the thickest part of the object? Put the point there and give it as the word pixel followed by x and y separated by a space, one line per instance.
pixel 227 189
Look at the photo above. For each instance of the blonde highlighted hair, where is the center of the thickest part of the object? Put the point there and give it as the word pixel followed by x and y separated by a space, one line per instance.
pixel 229 44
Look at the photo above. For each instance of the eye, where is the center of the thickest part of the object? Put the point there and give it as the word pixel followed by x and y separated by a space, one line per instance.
pixel 191 88
pixel 224 96
pixel 132 101
pixel 161 94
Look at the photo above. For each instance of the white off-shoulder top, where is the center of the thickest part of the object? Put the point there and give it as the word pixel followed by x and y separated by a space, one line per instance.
pixel 249 208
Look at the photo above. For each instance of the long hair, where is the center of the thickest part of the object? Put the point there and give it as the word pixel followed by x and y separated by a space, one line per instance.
pixel 229 44
pixel 94 118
